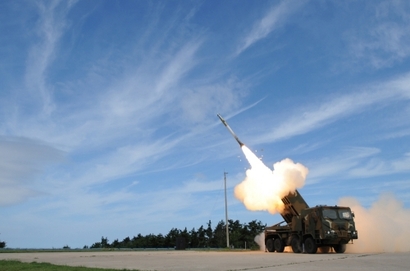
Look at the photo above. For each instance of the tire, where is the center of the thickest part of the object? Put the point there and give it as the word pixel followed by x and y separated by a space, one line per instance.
pixel 269 245
pixel 325 249
pixel 295 243
pixel 278 245
pixel 310 245
pixel 341 248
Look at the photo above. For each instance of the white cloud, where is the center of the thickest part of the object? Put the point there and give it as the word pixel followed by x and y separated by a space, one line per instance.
pixel 116 125
pixel 49 31
pixel 356 163
pixel 15 194
pixel 273 19
pixel 21 161
pixel 339 164
pixel 198 103
pixel 386 40
pixel 304 120
pixel 380 167
pixel 124 161
pixel 178 66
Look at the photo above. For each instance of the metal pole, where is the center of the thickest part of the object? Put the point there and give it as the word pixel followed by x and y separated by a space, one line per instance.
pixel 226 213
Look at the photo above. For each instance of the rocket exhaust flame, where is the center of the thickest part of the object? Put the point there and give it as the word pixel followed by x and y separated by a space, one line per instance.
pixel 263 188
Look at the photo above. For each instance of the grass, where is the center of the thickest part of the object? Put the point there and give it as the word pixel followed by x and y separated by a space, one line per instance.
pixel 13 265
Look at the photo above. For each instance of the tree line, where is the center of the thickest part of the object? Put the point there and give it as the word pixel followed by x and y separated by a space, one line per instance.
pixel 240 236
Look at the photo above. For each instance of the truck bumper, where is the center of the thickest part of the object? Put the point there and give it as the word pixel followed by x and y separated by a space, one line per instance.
pixel 336 237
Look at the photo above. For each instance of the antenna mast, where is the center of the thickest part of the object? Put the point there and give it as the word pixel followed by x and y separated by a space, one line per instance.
pixel 226 213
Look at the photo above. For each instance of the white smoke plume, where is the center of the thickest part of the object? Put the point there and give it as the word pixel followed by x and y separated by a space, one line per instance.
pixel 263 188
pixel 260 240
pixel 384 227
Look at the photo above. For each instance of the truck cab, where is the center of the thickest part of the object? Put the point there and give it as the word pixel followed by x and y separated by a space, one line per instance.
pixel 326 227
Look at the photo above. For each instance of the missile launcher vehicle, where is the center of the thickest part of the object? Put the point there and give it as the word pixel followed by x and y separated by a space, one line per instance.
pixel 311 229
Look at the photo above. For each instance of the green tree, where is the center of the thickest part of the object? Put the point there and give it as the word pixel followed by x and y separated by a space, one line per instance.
pixel 239 234
pixel 138 241
pixel 194 238
pixel 209 234
pixel 219 235
pixel 249 232
pixel 185 234
pixel 152 241
pixel 159 241
pixel 2 244
pixel 256 227
pixel 104 242
pixel 126 242
pixel 115 244
pixel 171 237
pixel 235 233
pixel 96 245
pixel 201 237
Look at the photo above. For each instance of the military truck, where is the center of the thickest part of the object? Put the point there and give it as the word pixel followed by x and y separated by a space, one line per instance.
pixel 311 229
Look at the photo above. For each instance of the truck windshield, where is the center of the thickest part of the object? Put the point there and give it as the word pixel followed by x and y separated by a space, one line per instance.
pixel 345 214
pixel 329 213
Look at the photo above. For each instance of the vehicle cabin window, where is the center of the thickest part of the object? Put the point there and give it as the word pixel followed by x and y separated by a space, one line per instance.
pixel 329 213
pixel 345 214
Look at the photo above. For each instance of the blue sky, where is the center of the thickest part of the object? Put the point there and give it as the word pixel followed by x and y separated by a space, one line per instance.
pixel 108 121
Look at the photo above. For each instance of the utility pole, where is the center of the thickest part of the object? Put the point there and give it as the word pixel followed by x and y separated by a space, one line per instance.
pixel 226 213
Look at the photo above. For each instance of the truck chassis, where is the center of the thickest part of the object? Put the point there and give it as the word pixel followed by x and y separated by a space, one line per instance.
pixel 311 229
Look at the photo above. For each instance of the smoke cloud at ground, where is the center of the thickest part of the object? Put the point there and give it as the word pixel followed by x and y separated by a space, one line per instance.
pixel 260 240
pixel 384 227
pixel 263 188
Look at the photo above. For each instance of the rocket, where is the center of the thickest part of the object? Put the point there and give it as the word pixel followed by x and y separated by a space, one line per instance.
pixel 230 130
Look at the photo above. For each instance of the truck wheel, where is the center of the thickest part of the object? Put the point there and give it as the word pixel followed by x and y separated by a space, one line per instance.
pixel 341 248
pixel 269 245
pixel 278 245
pixel 310 245
pixel 295 243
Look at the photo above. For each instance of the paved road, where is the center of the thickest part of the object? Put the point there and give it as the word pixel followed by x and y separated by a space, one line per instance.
pixel 217 261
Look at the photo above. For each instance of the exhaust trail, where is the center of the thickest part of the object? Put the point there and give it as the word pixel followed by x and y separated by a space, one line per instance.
pixel 264 188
